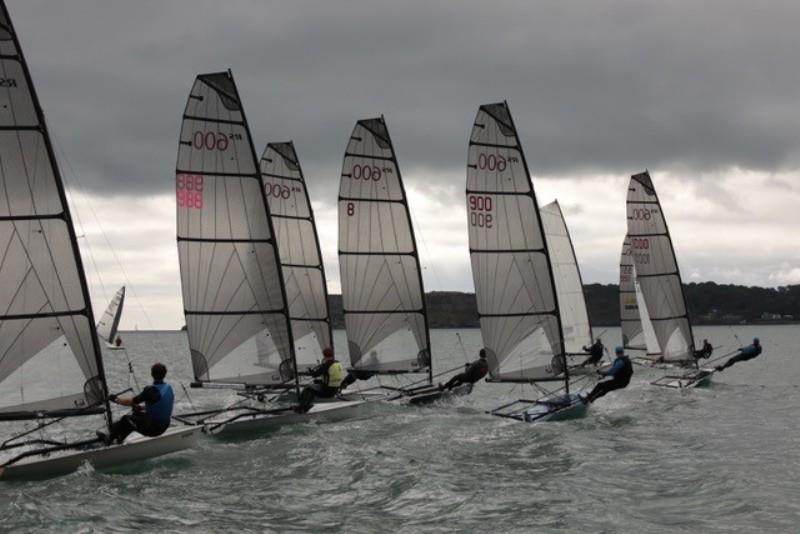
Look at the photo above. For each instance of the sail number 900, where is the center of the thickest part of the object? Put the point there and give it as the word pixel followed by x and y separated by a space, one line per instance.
pixel 492 162
pixel 479 208
pixel 366 172
pixel 189 190
pixel 213 140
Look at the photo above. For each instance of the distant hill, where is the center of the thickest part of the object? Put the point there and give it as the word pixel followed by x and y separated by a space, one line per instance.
pixel 709 303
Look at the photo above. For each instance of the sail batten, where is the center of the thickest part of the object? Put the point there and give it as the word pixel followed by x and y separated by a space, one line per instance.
pixel 300 255
pixel 382 291
pixel 515 288
pixel 47 322
pixel 237 316
pixel 656 270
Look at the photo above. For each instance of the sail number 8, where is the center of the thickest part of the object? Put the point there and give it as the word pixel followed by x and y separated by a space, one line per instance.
pixel 479 206
pixel 189 190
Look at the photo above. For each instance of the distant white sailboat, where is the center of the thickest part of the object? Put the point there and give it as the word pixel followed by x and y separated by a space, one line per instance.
pixel 660 280
pixel 518 301
pixel 238 319
pixel 109 322
pixel 51 366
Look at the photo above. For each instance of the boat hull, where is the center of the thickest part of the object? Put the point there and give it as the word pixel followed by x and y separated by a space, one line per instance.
pixel 330 412
pixel 549 408
pixel 134 450
pixel 694 379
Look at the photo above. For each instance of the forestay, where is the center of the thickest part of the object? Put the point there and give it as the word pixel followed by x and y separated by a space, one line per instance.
pixel 233 295
pixel 657 270
pixel 298 245
pixel 514 285
pixel 567 276
pixel 637 330
pixel 50 359
pixel 382 292
pixel 109 322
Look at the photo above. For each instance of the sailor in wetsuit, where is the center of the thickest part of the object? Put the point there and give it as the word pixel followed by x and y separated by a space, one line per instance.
pixel 621 372
pixel 473 372
pixel 705 351
pixel 154 419
pixel 745 353
pixel 595 353
pixel 329 376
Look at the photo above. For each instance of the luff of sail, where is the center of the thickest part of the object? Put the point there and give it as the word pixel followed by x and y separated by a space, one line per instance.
pixel 514 285
pixel 109 322
pixel 382 292
pixel 567 276
pixel 298 245
pixel 233 295
pixel 50 359
pixel 657 270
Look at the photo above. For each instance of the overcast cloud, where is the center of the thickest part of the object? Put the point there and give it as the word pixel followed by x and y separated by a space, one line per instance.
pixel 704 94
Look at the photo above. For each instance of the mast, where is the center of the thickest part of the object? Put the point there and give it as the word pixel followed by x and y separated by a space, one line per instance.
pixel 234 294
pixel 517 296
pixel 6 26
pixel 657 268
pixel 303 269
pixel 382 288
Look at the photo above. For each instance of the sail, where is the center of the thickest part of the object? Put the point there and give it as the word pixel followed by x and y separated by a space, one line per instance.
pixel 657 270
pixel 50 360
pixel 382 292
pixel 298 244
pixel 514 285
pixel 567 275
pixel 109 322
pixel 233 295
pixel 637 330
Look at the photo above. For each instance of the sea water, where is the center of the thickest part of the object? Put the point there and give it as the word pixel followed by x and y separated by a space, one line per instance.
pixel 645 459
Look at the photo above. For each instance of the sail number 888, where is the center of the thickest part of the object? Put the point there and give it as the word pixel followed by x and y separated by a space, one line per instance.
pixel 479 211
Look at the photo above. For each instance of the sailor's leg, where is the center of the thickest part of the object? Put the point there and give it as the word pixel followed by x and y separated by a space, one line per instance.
pixel 457 380
pixel 122 428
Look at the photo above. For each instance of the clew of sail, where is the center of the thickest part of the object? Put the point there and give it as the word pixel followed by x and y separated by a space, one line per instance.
pixel 382 292
pixel 567 276
pixel 109 322
pixel 50 359
pixel 298 244
pixel 657 270
pixel 234 300
pixel 514 284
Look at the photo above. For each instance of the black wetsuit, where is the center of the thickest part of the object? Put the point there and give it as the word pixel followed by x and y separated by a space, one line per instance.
pixel 474 372
pixel 356 374
pixel 620 373
pixel 704 352
pixel 746 353
pixel 595 354
pixel 153 420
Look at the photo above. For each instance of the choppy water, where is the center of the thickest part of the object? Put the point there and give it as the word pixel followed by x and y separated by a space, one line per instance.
pixel 721 459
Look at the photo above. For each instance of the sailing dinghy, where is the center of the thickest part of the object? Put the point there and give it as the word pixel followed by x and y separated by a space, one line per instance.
pixel 109 322
pixel 238 319
pixel 638 335
pixel 518 302
pixel 660 280
pixel 382 292
pixel 51 367
pixel 569 286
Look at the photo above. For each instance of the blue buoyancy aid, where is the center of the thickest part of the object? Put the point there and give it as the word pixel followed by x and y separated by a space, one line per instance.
pixel 161 410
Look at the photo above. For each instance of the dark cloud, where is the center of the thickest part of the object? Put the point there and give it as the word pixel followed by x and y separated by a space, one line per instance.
pixel 595 87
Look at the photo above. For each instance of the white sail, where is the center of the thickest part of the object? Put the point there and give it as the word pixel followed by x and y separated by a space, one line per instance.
pixel 382 292
pixel 657 270
pixel 567 276
pixel 50 360
pixel 109 322
pixel 637 330
pixel 236 314
pixel 298 244
pixel 514 285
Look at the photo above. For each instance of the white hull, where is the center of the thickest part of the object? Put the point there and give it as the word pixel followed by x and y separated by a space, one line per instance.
pixel 135 449
pixel 114 347
pixel 693 379
pixel 554 407
pixel 228 423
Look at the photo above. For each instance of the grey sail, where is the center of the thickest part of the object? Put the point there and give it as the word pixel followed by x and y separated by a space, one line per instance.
pixel 567 276
pixel 234 300
pixel 382 292
pixel 298 244
pixel 109 322
pixel 657 270
pixel 50 359
pixel 514 285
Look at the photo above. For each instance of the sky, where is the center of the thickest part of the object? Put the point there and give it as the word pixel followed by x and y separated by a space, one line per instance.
pixel 706 95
